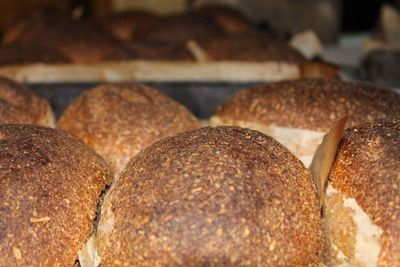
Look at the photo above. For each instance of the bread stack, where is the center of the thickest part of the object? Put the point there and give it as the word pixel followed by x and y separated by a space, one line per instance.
pixel 220 33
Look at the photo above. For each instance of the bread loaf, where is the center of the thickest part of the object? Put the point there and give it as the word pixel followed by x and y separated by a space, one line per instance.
pixel 49 189
pixel 22 106
pixel 362 207
pixel 119 120
pixel 298 113
pixel 224 196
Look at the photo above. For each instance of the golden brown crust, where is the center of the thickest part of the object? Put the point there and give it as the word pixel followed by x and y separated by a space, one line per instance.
pixel 367 168
pixel 311 104
pixel 119 120
pixel 250 46
pixel 22 106
pixel 49 186
pixel 223 196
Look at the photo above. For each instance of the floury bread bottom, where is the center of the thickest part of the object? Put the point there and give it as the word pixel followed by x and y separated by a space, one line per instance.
pixel 361 215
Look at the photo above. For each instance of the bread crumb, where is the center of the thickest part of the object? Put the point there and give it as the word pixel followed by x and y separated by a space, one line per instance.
pixel 17 253
pixel 39 220
pixel 246 232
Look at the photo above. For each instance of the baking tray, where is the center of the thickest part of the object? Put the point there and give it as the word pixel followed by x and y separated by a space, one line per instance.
pixel 201 98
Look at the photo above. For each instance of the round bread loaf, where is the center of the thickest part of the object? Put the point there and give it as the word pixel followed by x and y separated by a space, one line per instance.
pixel 298 113
pixel 22 106
pixel 362 207
pixel 119 120
pixel 49 188
pixel 223 196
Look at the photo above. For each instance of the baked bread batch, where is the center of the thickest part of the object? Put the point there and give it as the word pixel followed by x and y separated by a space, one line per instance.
pixel 215 196
pixel 127 36
pixel 129 177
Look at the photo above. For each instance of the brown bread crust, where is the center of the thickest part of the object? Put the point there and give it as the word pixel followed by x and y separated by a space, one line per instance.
pixel 49 187
pixel 22 106
pixel 367 168
pixel 250 46
pixel 223 196
pixel 119 120
pixel 311 104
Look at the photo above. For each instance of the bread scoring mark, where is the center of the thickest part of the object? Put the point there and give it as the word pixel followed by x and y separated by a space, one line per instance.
pixel 88 256
pixel 301 142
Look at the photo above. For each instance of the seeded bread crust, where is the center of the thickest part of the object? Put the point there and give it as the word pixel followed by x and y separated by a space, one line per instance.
pixel 367 168
pixel 311 104
pixel 119 120
pixel 49 188
pixel 223 196
pixel 22 106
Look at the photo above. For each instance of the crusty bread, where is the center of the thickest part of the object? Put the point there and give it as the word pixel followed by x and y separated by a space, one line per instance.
pixel 119 120
pixel 298 113
pixel 22 106
pixel 49 187
pixel 223 196
pixel 362 207
pixel 249 46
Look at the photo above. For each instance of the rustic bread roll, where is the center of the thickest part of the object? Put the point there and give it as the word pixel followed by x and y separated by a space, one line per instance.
pixel 362 207
pixel 224 196
pixel 298 113
pixel 49 187
pixel 119 120
pixel 22 106
pixel 250 46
